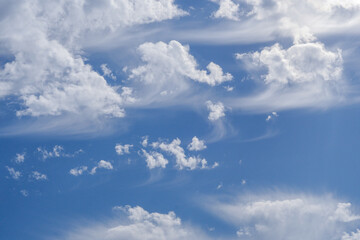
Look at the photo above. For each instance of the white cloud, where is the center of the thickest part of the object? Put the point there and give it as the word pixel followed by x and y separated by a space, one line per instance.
pixel 20 158
pixel 13 173
pixel 229 88
pixel 107 71
pixel 172 63
pixel 286 216
pixel 227 9
pixel 217 110
pixel 24 192
pixel 196 144
pixel 301 63
pixel 155 159
pixel 102 164
pixel 56 152
pixel 182 161
pixel 145 141
pixel 122 149
pixel 139 225
pixel 351 236
pixel 78 170
pixel 48 75
pixel 291 16
pixel 304 75
pixel 272 116
pixel 38 176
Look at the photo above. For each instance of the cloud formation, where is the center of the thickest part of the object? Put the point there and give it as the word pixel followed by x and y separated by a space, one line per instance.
pixel 291 216
pixel 139 225
pixel 216 110
pixel 155 159
pixel 197 144
pixel 48 75
pixel 182 161
pixel 304 75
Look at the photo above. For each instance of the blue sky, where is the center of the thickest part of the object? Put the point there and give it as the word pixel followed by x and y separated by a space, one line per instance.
pixel 161 119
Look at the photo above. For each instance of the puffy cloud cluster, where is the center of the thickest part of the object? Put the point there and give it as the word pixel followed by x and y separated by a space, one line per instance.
pixel 304 75
pixel 140 225
pixel 13 173
pixel 301 63
pixel 38 176
pixel 169 65
pixel 20 158
pixel 280 215
pixel 48 75
pixel 102 164
pixel 155 159
pixel 182 161
pixel 56 152
pixel 282 9
pixel 123 149
pixel 217 110
pixel 227 9
pixel 352 235
pixel 78 170
pixel 197 144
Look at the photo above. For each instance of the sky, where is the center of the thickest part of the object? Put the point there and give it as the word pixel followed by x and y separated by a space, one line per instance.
pixel 179 119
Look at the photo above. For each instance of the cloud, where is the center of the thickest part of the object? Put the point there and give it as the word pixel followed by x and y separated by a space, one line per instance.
pixel 56 152
pixel 196 144
pixel 24 192
pixel 13 173
pixel 107 71
pixel 286 216
pixel 38 176
pixel 78 170
pixel 227 9
pixel 272 116
pixel 138 225
pixel 182 161
pixel 122 149
pixel 301 63
pixel 102 164
pixel 48 75
pixel 154 159
pixel 352 235
pixel 145 141
pixel 168 69
pixel 217 110
pixel 20 158
pixel 304 75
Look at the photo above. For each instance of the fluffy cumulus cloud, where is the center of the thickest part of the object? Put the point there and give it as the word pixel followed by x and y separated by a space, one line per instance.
pixel 290 15
pixel 306 74
pixel 123 149
pixel 286 216
pixel 169 65
pixel 197 144
pixel 56 152
pixel 155 159
pixel 352 235
pixel 227 9
pixel 47 73
pixel 139 225
pixel 216 110
pixel 102 164
pixel 78 170
pixel 13 173
pixel 301 63
pixel 38 176
pixel 182 161
pixel 20 157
